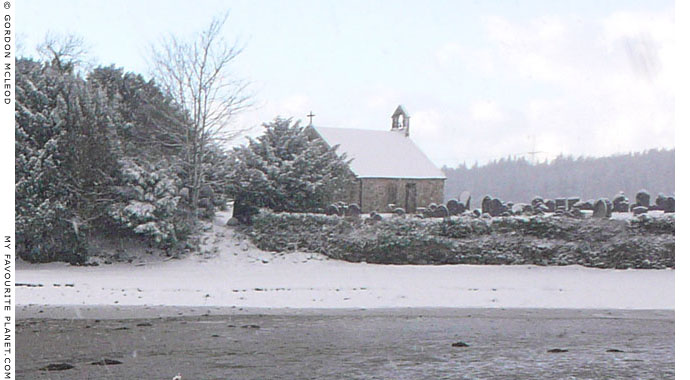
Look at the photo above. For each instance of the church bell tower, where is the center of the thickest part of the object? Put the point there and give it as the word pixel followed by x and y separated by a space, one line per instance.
pixel 401 121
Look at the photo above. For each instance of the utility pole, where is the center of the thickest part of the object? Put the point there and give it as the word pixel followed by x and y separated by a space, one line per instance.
pixel 534 152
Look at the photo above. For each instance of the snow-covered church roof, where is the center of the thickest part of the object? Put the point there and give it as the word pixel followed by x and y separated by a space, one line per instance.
pixel 380 154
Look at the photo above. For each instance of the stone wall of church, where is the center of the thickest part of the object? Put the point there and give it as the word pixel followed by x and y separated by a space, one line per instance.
pixel 409 194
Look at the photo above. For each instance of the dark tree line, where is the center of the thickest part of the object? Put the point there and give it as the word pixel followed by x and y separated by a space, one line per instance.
pixel 89 159
pixel 518 180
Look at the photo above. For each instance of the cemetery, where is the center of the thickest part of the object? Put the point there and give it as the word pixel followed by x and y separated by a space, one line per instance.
pixel 564 231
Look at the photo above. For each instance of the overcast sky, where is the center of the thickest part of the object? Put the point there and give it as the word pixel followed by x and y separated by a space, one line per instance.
pixel 482 80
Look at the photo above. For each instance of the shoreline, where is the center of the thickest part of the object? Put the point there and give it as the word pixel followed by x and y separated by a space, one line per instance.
pixel 109 312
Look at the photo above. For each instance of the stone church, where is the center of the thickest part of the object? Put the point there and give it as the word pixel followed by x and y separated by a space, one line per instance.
pixel 389 169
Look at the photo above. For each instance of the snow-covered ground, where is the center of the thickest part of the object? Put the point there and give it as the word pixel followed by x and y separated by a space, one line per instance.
pixel 233 273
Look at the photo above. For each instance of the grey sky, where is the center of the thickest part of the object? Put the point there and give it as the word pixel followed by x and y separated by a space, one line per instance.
pixel 481 80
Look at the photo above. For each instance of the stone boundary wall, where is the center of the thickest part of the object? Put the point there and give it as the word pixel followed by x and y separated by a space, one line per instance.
pixel 639 242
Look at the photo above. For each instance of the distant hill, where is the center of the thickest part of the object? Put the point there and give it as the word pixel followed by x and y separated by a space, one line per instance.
pixel 517 180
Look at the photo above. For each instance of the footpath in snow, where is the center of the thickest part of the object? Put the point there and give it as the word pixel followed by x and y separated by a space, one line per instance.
pixel 233 273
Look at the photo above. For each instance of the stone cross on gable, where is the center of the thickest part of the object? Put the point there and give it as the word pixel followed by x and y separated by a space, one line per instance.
pixel 310 116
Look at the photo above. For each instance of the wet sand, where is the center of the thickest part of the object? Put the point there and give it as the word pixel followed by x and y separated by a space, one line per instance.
pixel 238 343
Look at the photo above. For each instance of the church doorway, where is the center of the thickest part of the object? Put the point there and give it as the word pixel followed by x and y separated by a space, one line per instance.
pixel 410 198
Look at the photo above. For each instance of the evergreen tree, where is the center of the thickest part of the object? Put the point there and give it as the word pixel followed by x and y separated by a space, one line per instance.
pixel 147 116
pixel 64 160
pixel 91 156
pixel 286 170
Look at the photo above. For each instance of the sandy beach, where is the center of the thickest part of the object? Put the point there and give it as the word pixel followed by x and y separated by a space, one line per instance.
pixel 345 344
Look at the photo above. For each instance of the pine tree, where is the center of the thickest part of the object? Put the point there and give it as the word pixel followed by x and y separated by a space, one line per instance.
pixel 286 170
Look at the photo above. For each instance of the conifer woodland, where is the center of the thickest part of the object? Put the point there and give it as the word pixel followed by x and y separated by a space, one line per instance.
pixel 518 180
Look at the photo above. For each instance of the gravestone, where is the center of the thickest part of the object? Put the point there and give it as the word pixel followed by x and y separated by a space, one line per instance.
pixel 660 201
pixel 486 204
pixel 441 212
pixel 465 199
pixel 670 205
pixel 353 210
pixel 609 207
pixel 453 207
pixel 496 207
pixel 600 209
pixel 375 216
pixel 561 203
pixel 621 203
pixel 582 206
pixel 550 205
pixel 571 202
pixel 536 201
pixel 642 198
pixel 332 209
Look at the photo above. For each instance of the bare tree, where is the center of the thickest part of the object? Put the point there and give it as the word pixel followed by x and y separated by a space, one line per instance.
pixel 66 52
pixel 196 74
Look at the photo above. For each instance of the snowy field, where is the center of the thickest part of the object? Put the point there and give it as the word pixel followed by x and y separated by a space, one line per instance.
pixel 233 273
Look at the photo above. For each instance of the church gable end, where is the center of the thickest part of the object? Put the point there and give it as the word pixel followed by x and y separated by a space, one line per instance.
pixel 390 170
